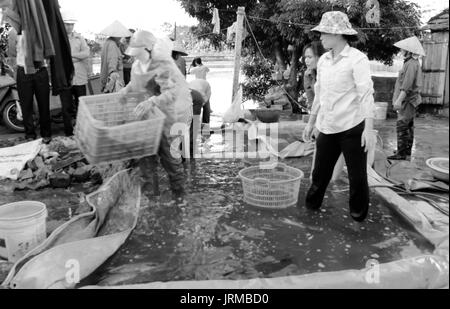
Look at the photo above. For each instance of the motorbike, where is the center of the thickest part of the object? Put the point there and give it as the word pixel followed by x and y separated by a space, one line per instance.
pixel 10 109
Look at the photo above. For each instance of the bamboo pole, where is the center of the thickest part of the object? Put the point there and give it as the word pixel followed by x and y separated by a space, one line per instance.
pixel 238 49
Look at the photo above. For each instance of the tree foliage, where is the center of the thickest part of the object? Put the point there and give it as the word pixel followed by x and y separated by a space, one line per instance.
pixel 279 23
pixel 259 77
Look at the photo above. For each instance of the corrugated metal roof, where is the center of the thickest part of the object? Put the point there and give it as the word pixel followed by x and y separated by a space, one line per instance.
pixel 439 22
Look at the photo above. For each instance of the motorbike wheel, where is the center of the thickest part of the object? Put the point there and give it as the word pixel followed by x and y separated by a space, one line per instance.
pixel 10 117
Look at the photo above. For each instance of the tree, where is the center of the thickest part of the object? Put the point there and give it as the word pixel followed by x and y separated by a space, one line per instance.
pixel 205 31
pixel 279 23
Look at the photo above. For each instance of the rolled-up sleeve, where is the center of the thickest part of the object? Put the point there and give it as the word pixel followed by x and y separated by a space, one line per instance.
pixel 364 87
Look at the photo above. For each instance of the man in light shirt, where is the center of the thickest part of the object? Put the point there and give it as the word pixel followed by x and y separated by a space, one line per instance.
pixel 80 57
pixel 343 112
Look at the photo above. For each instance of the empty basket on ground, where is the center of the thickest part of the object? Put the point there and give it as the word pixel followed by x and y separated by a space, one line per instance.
pixel 108 131
pixel 276 187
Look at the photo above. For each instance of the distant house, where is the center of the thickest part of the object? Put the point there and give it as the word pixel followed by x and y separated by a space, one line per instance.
pixel 435 90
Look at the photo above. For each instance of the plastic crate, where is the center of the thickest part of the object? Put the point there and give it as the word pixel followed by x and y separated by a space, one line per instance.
pixel 107 130
pixel 277 187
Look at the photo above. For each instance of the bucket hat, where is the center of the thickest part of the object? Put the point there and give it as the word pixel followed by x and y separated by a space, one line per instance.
pixel 412 45
pixel 140 40
pixel 177 47
pixel 335 23
pixel 117 30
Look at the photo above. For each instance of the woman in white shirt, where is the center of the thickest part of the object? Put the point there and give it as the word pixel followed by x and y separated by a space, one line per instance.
pixel 198 69
pixel 343 113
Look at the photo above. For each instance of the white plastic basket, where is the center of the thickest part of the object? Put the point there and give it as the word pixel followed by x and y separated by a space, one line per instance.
pixel 107 130
pixel 276 187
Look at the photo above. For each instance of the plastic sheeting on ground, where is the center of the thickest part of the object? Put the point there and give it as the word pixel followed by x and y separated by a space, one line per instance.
pixel 285 135
pixel 425 272
pixel 426 219
pixel 79 247
pixel 14 159
pixel 422 272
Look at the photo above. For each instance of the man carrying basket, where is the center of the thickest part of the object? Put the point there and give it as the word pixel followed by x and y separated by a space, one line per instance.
pixel 155 73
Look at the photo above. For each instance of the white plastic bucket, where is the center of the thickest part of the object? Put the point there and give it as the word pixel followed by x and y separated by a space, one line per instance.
pixel 381 110
pixel 22 228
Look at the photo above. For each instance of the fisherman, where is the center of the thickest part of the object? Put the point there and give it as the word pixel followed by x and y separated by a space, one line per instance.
pixel 407 96
pixel 155 73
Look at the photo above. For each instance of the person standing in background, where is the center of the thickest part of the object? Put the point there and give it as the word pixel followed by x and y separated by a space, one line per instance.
pixel 198 69
pixel 127 60
pixel 178 54
pixel 80 56
pixel 111 75
pixel 407 96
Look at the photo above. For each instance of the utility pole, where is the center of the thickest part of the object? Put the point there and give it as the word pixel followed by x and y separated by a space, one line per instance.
pixel 238 49
pixel 175 32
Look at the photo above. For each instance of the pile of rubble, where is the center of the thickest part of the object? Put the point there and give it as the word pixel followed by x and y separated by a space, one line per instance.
pixel 58 165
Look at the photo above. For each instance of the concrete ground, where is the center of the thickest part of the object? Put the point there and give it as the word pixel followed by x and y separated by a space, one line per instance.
pixel 432 138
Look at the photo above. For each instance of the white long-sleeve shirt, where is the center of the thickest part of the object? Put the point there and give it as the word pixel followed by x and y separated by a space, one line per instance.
pixel 344 91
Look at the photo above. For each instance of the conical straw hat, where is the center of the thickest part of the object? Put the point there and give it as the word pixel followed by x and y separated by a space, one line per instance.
pixel 412 45
pixel 117 30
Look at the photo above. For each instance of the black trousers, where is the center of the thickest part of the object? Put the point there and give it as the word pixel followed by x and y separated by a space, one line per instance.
pixel 30 86
pixel 126 75
pixel 77 93
pixel 405 137
pixel 329 148
pixel 405 130
pixel 199 104
pixel 67 104
pixel 206 119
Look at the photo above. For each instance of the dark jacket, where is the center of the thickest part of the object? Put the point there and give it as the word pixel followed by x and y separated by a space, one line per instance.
pixel 61 64
pixel 29 16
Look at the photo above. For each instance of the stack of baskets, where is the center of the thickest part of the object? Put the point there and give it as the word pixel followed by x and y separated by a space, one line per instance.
pixel 108 131
pixel 277 187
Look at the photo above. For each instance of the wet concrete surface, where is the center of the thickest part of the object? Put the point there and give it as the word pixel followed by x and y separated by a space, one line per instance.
pixel 431 138
pixel 217 236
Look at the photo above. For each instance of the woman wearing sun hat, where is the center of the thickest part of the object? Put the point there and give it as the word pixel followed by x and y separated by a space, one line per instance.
pixel 343 113
pixel 407 96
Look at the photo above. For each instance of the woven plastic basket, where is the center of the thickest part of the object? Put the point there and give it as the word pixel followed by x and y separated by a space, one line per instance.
pixel 107 130
pixel 276 187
